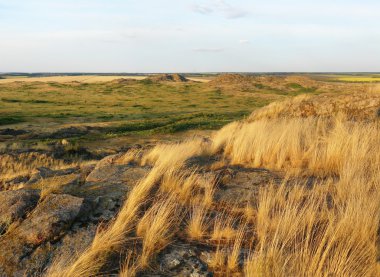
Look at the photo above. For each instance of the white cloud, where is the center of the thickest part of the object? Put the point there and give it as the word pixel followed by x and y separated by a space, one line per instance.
pixel 201 9
pixel 221 7
pixel 208 50
pixel 244 41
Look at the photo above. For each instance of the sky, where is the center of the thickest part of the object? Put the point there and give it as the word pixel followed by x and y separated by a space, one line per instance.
pixel 189 36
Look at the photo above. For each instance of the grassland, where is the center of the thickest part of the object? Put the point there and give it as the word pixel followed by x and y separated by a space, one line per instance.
pixel 125 107
pixel 104 108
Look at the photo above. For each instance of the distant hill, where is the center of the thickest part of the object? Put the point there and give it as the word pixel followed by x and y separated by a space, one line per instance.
pixel 168 78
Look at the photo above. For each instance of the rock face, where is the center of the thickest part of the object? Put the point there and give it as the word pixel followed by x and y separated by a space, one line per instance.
pixel 113 178
pixel 44 225
pixel 44 172
pixel 240 186
pixel 15 204
pixel 50 217
pixel 183 260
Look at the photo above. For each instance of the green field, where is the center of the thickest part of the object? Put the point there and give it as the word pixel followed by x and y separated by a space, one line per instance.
pixel 137 106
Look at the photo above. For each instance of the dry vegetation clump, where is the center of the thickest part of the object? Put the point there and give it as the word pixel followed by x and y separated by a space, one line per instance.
pixel 13 165
pixel 326 228
pixel 197 225
pixel 157 227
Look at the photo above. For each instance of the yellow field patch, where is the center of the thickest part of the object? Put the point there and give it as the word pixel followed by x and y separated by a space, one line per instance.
pixel 359 79
pixel 67 79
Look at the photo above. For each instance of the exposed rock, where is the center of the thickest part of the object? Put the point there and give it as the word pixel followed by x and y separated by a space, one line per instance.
pixel 182 260
pixel 239 186
pixel 116 174
pixel 50 217
pixel 64 184
pixel 113 179
pixel 44 172
pixel 45 224
pixel 72 245
pixel 15 204
pixel 104 208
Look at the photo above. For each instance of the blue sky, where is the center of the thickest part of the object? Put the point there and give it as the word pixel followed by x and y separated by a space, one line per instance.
pixel 189 35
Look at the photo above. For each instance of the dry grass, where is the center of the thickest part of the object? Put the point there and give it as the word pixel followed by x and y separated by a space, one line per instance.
pixel 300 233
pixel 21 164
pixel 129 268
pixel 328 228
pixel 218 259
pixel 312 146
pixel 223 228
pixel 197 225
pixel 181 184
pixel 174 155
pixel 234 255
pixel 157 227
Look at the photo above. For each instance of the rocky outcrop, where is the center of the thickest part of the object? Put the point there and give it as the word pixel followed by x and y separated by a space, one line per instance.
pixel 58 213
pixel 240 186
pixel 33 236
pixel 183 260
pixel 113 178
pixel 44 172
pixel 14 205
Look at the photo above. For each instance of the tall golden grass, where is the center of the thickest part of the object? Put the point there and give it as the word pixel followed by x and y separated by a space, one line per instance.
pixel 25 164
pixel 327 228
pixel 312 146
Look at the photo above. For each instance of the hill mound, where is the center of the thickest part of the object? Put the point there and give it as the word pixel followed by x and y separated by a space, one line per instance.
pixel 125 81
pixel 229 79
pixel 168 78
pixel 285 83
pixel 357 106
